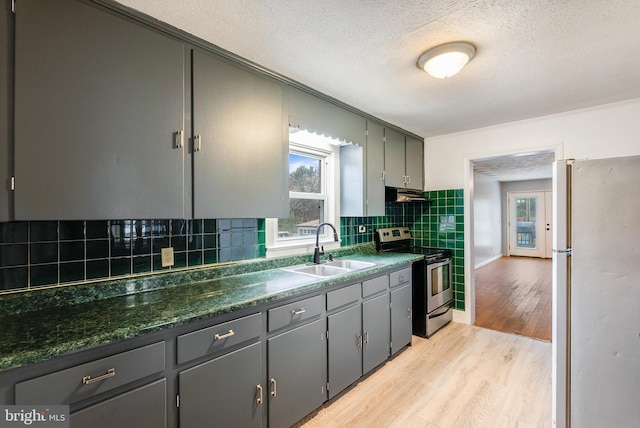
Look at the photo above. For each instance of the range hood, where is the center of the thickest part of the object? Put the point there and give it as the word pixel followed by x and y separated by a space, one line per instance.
pixel 393 194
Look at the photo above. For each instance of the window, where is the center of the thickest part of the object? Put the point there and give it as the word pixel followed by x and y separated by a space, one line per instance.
pixel 313 194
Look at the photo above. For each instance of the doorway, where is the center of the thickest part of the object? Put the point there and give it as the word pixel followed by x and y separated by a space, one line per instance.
pixel 510 190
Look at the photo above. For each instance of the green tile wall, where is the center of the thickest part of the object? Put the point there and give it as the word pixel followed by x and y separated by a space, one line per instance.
pixel 438 224
pixel 45 253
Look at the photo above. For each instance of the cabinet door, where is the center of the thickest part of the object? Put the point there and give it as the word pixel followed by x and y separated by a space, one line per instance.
pixel 145 407
pixel 415 163
pixel 6 104
pixel 295 373
pixel 98 104
pixel 400 318
pixel 223 391
pixel 375 327
pixel 240 166
pixel 394 158
pixel 375 168
pixel 345 348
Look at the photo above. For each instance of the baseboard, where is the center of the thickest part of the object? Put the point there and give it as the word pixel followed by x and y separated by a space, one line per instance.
pixel 461 317
pixel 486 262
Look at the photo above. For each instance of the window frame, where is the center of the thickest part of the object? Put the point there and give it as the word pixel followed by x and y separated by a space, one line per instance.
pixel 329 192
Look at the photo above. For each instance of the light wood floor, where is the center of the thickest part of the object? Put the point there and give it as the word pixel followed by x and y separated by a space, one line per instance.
pixel 464 376
pixel 513 294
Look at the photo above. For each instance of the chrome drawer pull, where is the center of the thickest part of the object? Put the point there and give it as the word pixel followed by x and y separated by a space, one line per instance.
pixel 259 388
pixel 274 391
pixel 301 311
pixel 223 336
pixel 89 380
pixel 366 337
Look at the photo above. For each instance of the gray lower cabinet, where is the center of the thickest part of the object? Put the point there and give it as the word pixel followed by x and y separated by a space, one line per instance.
pixel 145 407
pixel 226 391
pixel 400 318
pixel 241 144
pixel 375 331
pixel 99 105
pixel 344 348
pixel 295 373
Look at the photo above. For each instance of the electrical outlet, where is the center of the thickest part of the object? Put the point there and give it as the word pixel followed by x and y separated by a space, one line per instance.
pixel 167 256
pixel 362 229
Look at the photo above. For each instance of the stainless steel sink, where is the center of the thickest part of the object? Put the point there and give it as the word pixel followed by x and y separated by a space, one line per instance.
pixel 322 270
pixel 332 268
pixel 350 264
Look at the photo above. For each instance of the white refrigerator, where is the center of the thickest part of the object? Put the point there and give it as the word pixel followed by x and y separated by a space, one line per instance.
pixel 596 337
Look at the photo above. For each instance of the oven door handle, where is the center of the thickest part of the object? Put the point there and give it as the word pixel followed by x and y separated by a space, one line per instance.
pixel 440 312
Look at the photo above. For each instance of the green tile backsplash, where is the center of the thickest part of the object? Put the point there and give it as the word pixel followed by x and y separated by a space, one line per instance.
pixel 439 224
pixel 44 253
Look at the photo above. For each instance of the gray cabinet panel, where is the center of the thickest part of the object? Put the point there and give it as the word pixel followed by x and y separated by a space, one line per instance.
pixel 92 378
pixel 314 114
pixel 376 331
pixel 394 158
pixel 343 296
pixel 295 373
pixel 400 277
pixel 145 407
pixel 241 169
pixel 223 392
pixel 6 106
pixel 375 285
pixel 219 337
pixel 294 313
pixel 375 167
pixel 98 102
pixel 414 163
pixel 400 318
pixel 352 190
pixel 344 349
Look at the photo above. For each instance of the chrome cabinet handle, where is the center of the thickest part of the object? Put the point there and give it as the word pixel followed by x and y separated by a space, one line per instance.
pixel 359 341
pixel 408 179
pixel 224 336
pixel 197 143
pixel 274 390
pixel 259 399
pixel 298 312
pixel 179 139
pixel 382 174
pixel 87 380
pixel 409 313
pixel 366 337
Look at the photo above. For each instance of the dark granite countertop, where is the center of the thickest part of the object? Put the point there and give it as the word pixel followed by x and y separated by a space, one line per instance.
pixel 56 322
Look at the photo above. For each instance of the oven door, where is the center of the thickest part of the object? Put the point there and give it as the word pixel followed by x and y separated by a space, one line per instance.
pixel 438 284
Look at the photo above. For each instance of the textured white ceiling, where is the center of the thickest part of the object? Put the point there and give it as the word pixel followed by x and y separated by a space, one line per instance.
pixel 517 167
pixel 534 57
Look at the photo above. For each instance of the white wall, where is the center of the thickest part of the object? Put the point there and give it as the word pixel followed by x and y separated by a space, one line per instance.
pixel 487 219
pixel 605 131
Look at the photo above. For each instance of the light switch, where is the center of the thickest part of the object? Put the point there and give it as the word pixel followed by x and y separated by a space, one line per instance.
pixel 167 256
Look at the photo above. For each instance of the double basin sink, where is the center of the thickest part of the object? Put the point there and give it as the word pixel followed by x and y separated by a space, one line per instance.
pixel 330 268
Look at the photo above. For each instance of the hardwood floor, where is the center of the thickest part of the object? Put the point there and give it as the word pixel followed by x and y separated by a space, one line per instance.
pixel 513 295
pixel 464 376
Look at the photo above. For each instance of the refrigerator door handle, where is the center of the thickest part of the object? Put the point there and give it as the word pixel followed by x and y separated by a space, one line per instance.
pixel 566 252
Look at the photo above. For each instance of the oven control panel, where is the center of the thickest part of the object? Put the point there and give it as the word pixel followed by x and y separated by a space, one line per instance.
pixel 391 234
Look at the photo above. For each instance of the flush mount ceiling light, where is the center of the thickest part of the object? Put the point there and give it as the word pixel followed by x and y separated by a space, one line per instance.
pixel 446 60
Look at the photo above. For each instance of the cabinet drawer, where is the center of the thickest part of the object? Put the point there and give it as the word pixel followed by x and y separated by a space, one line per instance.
pixel 375 285
pixel 89 379
pixel 293 313
pixel 213 339
pixel 343 296
pixel 398 277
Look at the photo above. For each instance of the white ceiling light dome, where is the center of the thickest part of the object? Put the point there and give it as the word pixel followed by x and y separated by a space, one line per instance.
pixel 446 60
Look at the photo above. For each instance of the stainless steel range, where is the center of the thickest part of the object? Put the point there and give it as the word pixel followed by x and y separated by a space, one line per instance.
pixel 431 281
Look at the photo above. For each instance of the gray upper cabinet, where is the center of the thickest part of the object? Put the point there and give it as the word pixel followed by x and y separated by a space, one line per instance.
pixel 414 164
pixel 317 115
pixel 99 105
pixel 362 176
pixel 403 161
pixel 6 104
pixel 375 169
pixel 240 142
